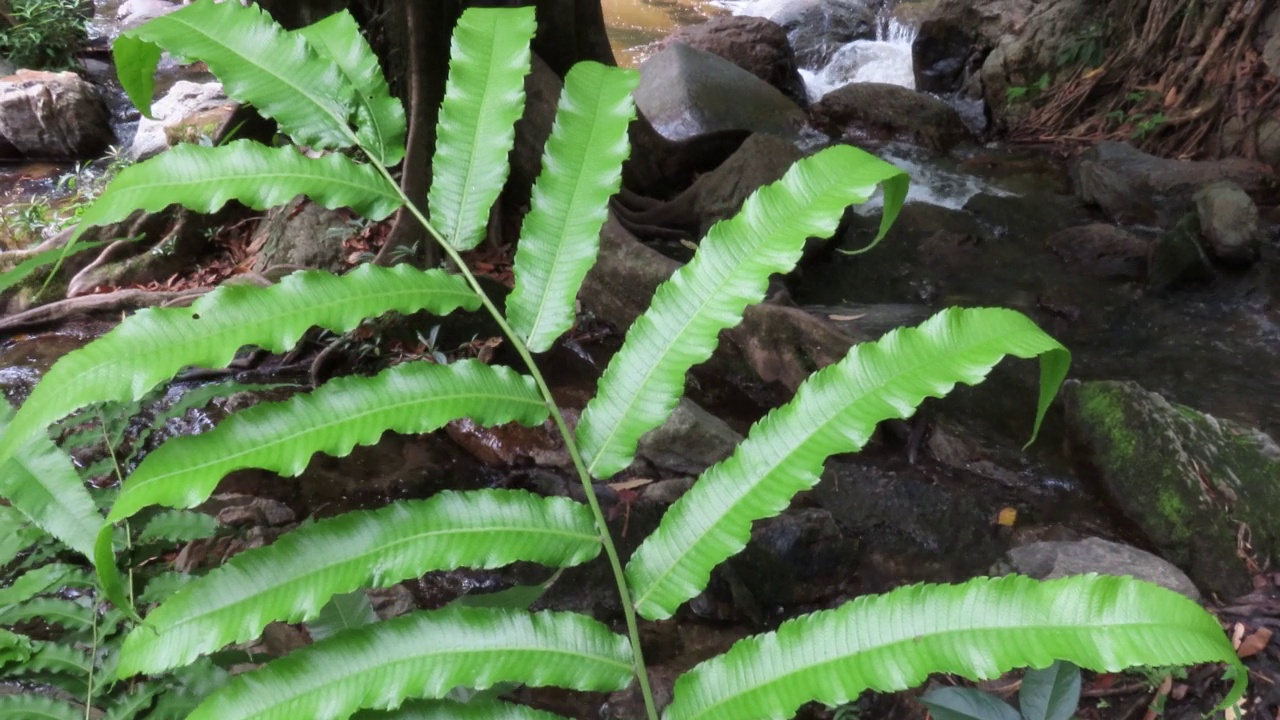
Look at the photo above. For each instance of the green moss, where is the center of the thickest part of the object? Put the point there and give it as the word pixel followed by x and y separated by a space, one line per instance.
pixel 1172 508
pixel 1104 413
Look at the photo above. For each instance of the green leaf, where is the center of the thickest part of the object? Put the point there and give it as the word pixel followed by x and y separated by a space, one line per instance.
pixel 58 659
pixel 834 411
pixel 1050 694
pixel 414 397
pixel 32 583
pixel 449 710
pixel 483 98
pixel 427 654
pixel 153 344
pixel 960 703
pixel 38 707
pixel 979 629
pixel 178 526
pixel 342 612
pixel 14 648
pixel 204 179
pixel 136 61
pixel 55 611
pixel 291 579
pixel 380 117
pixel 133 703
pixel 257 61
pixel 40 481
pixel 730 271
pixel 581 169
pixel 16 534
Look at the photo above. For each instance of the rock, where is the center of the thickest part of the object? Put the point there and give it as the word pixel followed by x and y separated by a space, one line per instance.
pixel 186 112
pixel 1271 46
pixel 133 13
pixel 889 112
pixel 1048 560
pixel 690 441
pixel 754 44
pixel 542 89
pixel 1177 259
pixel 1189 481
pixel 510 444
pixel 1021 58
pixel 939 55
pixel 1262 132
pixel 53 116
pixel 303 234
pixel 1101 250
pixel 687 93
pixel 1228 221
pixel 818 28
pixel 1133 187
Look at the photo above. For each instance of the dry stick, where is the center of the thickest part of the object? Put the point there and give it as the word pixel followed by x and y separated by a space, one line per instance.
pixel 1193 83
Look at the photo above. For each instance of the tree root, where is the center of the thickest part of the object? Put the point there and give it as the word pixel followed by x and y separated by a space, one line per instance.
pixel 118 301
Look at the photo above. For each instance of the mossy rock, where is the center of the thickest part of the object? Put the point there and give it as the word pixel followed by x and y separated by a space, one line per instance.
pixel 1188 480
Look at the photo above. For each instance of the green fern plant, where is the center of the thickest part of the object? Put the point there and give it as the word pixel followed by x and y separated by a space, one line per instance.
pixel 325 90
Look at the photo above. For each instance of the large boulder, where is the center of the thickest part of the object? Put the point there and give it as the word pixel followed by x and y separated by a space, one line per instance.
pixel 754 44
pixel 957 29
pixel 53 116
pixel 1133 187
pixel 1197 486
pixel 887 112
pixel 818 28
pixel 1229 221
pixel 687 93
pixel 188 111
pixel 1177 258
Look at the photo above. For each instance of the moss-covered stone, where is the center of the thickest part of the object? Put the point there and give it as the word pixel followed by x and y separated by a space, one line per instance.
pixel 1188 480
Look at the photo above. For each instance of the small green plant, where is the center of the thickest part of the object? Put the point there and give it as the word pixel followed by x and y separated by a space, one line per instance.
pixel 323 87
pixel 1048 694
pixel 1137 116
pixel 44 34
pixel 1020 92
pixel 1088 48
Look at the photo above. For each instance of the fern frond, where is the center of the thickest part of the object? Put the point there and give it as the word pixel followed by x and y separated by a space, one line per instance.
pixel 426 654
pixel 178 526
pixel 42 483
pixel 34 582
pixel 152 345
pixel 834 411
pixel 14 648
pixel 483 98
pixel 204 179
pixel 450 710
pixel 28 706
pixel 57 658
pixel 979 629
pixel 292 578
pixel 55 611
pixel 380 120
pixel 257 61
pixel 414 397
pixel 342 612
pixel 730 271
pixel 581 169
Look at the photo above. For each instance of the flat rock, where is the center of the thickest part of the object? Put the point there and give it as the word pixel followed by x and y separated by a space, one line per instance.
pixel 690 441
pixel 1047 560
pixel 889 112
pixel 754 44
pixel 1192 483
pixel 53 116
pixel 1101 250
pixel 687 93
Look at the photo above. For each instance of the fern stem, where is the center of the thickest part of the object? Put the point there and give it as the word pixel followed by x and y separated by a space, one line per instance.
pixel 602 526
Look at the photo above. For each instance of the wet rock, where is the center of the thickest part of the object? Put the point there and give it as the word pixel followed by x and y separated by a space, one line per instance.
pixel 939 55
pixel 888 112
pixel 690 441
pixel 1177 258
pixel 818 28
pixel 510 444
pixel 1048 560
pixel 1262 133
pixel 754 44
pixel 53 116
pixel 133 13
pixel 1228 221
pixel 1020 59
pixel 1133 187
pixel 237 510
pixel 1192 483
pixel 687 93
pixel 186 113
pixel 542 89
pixel 302 234
pixel 1101 250
pixel 869 322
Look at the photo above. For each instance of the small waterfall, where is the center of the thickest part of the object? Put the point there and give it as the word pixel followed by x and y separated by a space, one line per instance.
pixel 887 59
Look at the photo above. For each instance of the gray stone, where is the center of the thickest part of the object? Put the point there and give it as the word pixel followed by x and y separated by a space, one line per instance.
pixel 754 44
pixel 818 28
pixel 1228 221
pixel 1021 58
pixel 687 93
pixel 303 234
pixel 690 441
pixel 53 116
pixel 1048 560
pixel 133 13
pixel 888 112
pixel 1271 46
pixel 1190 482
pixel 1101 250
pixel 1133 187
pixel 184 101
pixel 1177 258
